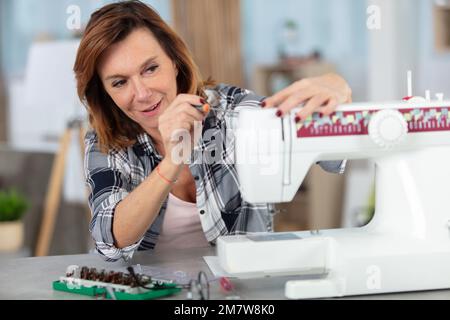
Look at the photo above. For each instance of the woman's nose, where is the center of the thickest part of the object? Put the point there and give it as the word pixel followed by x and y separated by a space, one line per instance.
pixel 142 92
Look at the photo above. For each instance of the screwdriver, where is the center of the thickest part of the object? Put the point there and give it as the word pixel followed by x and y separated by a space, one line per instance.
pixel 205 108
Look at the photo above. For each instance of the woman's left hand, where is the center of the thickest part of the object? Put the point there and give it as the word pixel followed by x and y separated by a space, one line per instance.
pixel 320 94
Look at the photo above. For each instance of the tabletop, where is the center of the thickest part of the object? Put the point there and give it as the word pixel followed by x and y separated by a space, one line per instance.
pixel 31 278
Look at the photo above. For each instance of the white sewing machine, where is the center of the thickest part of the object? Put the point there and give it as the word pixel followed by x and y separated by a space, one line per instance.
pixel 406 246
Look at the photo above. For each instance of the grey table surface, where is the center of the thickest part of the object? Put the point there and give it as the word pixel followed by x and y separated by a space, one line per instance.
pixel 31 278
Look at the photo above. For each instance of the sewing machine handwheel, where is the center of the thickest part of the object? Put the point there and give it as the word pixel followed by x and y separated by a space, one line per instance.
pixel 387 128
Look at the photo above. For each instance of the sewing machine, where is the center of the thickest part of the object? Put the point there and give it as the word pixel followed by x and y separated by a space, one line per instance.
pixel 405 247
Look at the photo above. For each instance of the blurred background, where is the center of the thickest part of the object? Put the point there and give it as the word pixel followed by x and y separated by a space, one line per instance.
pixel 260 45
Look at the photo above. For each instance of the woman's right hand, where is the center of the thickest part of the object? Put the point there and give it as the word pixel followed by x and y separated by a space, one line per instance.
pixel 180 119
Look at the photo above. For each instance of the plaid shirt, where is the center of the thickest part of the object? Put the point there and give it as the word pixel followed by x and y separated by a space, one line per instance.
pixel 112 176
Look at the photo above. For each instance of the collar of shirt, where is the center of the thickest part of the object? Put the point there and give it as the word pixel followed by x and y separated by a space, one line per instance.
pixel 146 146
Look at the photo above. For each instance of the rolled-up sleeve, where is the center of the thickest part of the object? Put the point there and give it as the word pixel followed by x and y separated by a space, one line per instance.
pixel 108 183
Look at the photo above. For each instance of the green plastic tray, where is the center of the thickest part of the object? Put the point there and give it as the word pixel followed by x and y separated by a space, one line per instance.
pixel 164 291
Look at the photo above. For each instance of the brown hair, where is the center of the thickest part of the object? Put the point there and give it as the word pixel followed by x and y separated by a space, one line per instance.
pixel 107 26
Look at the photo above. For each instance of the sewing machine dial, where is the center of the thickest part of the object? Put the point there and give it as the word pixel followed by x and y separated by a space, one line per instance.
pixel 388 128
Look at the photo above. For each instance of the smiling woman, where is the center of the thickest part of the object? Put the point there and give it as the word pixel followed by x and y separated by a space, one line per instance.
pixel 139 83
pixel 105 37
pixel 140 78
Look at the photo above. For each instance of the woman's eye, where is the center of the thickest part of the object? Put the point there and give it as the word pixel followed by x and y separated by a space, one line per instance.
pixel 151 68
pixel 118 84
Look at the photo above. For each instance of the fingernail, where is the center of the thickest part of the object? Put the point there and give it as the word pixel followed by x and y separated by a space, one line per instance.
pixel 279 113
pixel 297 119
pixel 263 104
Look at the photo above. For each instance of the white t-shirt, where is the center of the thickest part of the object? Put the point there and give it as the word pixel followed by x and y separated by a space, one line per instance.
pixel 181 227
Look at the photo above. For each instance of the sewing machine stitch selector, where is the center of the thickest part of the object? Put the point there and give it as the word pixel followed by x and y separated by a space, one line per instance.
pixel 387 128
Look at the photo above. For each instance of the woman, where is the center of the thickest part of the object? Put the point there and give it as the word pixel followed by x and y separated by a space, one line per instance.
pixel 139 84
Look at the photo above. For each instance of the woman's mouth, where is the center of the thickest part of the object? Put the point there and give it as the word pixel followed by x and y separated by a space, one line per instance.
pixel 152 110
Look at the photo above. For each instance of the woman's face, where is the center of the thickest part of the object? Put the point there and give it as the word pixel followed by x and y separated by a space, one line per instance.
pixel 139 77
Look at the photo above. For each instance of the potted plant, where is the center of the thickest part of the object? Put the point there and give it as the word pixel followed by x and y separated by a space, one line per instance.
pixel 12 208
